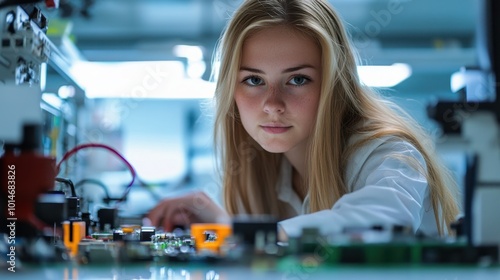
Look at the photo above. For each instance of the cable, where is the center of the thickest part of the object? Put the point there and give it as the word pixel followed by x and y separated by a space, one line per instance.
pixel 97 183
pixel 97 145
pixel 69 183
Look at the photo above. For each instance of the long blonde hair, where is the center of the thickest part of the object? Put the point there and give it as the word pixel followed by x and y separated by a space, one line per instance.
pixel 250 174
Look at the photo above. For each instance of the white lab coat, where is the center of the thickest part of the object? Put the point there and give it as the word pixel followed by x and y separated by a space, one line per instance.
pixel 382 190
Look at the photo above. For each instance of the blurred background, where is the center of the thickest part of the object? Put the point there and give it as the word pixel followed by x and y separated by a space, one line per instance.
pixel 136 77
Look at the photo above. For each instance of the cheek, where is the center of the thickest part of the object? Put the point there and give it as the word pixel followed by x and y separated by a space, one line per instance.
pixel 307 108
pixel 245 106
pixel 242 112
pixel 239 104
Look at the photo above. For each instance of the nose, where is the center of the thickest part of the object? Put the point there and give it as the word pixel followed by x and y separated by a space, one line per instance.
pixel 274 103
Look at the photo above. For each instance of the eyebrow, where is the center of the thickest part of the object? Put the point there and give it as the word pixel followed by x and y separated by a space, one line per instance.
pixel 288 70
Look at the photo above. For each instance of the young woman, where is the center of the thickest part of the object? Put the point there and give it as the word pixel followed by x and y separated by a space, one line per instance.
pixel 301 138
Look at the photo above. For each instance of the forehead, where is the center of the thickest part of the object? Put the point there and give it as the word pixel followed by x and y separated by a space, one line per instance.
pixel 279 43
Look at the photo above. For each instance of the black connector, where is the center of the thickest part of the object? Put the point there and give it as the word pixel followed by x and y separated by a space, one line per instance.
pixel 147 233
pixel 107 216
pixel 73 208
pixel 247 228
pixel 51 208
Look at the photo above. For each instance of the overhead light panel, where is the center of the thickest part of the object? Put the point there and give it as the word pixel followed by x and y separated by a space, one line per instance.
pixel 384 75
pixel 194 55
pixel 140 79
pixel 52 99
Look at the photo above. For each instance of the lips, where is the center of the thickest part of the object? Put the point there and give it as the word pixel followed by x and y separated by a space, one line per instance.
pixel 275 128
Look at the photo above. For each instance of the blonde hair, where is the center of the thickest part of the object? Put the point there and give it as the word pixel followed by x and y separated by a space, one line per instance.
pixel 346 107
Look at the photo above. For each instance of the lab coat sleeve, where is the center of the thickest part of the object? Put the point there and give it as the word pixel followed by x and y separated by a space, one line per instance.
pixel 388 191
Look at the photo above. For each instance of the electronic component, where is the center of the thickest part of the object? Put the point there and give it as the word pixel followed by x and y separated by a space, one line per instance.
pixel 171 245
pixel 249 229
pixel 74 232
pixel 135 243
pixel 210 237
pixel 107 218
pixel 51 207
pixel 147 233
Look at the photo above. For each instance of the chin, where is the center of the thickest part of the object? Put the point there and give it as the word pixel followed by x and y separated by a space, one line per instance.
pixel 275 149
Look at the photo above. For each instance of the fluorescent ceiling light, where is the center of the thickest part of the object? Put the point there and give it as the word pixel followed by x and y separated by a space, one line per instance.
pixel 194 54
pixel 475 82
pixel 52 100
pixel 140 79
pixel 384 75
pixel 189 52
pixel 43 75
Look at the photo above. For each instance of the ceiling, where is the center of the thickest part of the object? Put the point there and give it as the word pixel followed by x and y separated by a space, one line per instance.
pixel 435 37
pixel 139 20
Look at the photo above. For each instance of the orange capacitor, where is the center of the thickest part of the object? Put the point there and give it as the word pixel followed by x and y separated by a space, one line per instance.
pixel 210 236
pixel 130 228
pixel 74 232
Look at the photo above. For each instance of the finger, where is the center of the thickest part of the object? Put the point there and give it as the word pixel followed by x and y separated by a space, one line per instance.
pixel 171 215
pixel 180 219
pixel 163 210
pixel 147 222
pixel 157 213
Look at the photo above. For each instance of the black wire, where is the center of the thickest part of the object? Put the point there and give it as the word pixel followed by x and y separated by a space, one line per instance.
pixel 97 183
pixel 68 182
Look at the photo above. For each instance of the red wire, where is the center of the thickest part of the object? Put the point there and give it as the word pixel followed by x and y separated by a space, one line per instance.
pixel 96 145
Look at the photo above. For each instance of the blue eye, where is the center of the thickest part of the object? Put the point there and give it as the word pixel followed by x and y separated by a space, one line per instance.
pixel 299 80
pixel 253 81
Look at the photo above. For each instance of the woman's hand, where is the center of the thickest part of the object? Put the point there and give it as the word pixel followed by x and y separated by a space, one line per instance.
pixel 184 210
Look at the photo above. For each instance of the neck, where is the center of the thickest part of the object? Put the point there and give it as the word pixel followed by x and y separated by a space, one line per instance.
pixel 297 159
pixel 298 185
